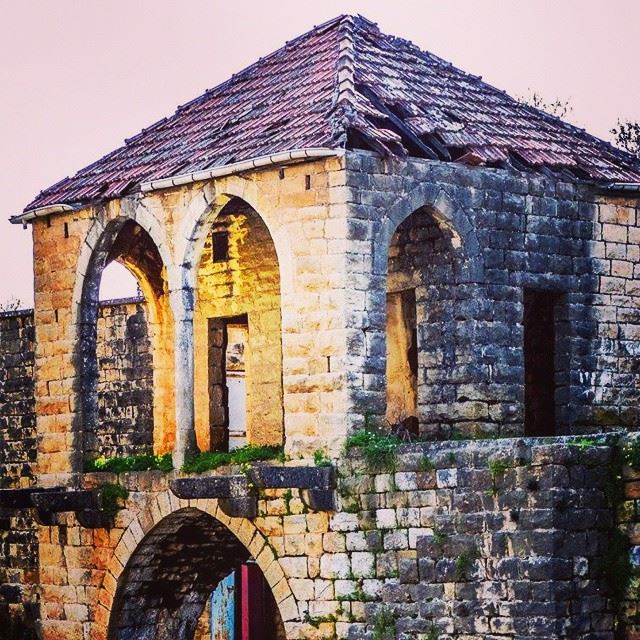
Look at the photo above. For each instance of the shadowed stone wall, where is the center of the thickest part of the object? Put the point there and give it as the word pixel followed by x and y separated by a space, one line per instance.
pixel 125 380
pixel 18 537
pixel 508 233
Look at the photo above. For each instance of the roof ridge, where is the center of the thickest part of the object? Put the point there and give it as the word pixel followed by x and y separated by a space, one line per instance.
pixel 345 67
pixel 343 108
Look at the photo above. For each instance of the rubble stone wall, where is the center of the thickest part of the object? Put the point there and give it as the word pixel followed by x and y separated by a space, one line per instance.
pixel 18 536
pixel 125 380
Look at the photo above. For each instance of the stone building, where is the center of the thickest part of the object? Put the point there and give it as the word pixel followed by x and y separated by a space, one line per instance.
pixel 350 236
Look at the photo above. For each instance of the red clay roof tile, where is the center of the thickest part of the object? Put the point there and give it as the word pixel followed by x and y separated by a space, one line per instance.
pixel 346 84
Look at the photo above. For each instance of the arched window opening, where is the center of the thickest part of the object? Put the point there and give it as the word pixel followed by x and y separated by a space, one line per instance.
pixel 237 329
pixel 118 283
pixel 119 337
pixel 192 578
pixel 423 337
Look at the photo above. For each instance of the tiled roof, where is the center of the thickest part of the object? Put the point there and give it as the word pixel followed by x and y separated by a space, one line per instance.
pixel 346 84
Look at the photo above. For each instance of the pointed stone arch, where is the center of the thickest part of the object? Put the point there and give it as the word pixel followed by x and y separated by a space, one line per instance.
pixel 448 214
pixel 135 239
pixel 160 509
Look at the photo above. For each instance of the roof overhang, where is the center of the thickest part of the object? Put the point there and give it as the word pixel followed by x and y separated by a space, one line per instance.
pixel 40 212
pixel 281 158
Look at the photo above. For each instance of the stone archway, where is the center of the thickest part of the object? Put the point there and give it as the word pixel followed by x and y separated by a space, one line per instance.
pixel 169 576
pixel 433 271
pixel 124 240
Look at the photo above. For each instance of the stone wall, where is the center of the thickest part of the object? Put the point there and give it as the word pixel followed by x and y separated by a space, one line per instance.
pixel 468 540
pixel 125 396
pixel 125 380
pixel 18 536
pixel 507 233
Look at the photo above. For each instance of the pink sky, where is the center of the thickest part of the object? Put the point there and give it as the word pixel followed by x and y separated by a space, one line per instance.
pixel 78 77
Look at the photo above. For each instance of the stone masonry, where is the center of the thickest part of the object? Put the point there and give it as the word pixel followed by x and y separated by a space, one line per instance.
pixel 493 538
pixel 125 390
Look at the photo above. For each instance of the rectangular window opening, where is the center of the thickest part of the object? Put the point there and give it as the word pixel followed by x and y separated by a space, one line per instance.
pixel 540 375
pixel 220 242
pixel 402 360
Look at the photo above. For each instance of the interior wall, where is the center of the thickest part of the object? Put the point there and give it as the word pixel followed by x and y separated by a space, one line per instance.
pixel 248 283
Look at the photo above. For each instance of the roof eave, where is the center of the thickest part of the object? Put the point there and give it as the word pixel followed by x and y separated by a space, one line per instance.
pixel 40 212
pixel 622 187
pixel 281 158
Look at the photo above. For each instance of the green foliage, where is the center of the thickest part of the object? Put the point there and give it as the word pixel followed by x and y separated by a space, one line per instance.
pixel 384 625
pixel 425 464
pixel 131 463
pixel 112 495
pixel 351 507
pixel 321 459
pixel 626 135
pixel 379 448
pixel 433 633
pixel 439 536
pixel 287 497
pixel 209 460
pixel 316 621
pixel 464 562
pixel 497 469
pixel 585 442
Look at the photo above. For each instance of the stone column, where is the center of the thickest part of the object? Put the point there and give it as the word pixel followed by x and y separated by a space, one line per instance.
pixel 185 443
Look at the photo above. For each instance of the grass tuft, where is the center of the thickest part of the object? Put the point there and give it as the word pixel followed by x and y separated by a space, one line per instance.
pixel 147 462
pixel 209 460
pixel 379 448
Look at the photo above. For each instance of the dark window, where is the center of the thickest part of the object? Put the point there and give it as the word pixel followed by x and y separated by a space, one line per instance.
pixel 220 246
pixel 539 362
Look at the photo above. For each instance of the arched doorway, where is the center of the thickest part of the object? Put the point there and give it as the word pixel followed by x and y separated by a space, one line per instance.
pixel 166 588
pixel 237 333
pixel 119 416
pixel 428 298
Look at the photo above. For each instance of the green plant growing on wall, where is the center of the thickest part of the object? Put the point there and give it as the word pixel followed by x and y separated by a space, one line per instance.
pixel 433 633
pixel 287 497
pixel 384 625
pixel 379 448
pixel 210 460
pixel 316 621
pixel 123 464
pixel 112 496
pixel 497 469
pixel 463 565
pixel 425 464
pixel 321 459
pixel 439 535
